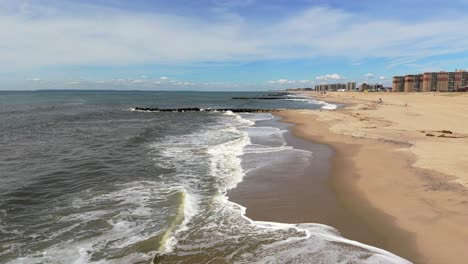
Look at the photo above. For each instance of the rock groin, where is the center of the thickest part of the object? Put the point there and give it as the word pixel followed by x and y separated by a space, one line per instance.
pixel 197 109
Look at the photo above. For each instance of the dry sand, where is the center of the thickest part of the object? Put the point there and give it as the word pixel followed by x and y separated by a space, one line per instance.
pixel 388 170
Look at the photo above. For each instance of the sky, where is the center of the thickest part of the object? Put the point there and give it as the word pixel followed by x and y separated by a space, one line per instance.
pixel 225 45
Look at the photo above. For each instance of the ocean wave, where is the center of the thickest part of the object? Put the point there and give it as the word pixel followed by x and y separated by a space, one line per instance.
pixel 185 215
pixel 109 223
pixel 324 105
pixel 224 223
pixel 188 207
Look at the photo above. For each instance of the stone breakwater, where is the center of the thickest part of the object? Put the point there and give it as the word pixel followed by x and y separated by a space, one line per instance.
pixel 196 109
pixel 258 98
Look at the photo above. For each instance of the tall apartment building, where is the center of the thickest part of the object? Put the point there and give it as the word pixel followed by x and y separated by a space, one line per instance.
pixel 442 82
pixel 350 86
pixel 460 80
pixel 431 82
pixel 398 84
pixel 413 83
pixel 330 87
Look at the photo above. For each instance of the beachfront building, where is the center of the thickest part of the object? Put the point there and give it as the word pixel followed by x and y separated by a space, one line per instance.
pixel 376 87
pixel 350 86
pixel 413 83
pixel 458 81
pixel 330 87
pixel 431 82
pixel 398 84
pixel 321 87
pixel 363 87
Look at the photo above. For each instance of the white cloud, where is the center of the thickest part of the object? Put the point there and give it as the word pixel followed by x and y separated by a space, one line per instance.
pixel 382 78
pixel 369 76
pixel 34 79
pixel 290 82
pixel 164 78
pixel 83 34
pixel 283 81
pixel 329 77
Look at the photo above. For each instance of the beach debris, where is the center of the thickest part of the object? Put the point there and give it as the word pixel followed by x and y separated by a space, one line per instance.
pixel 446 131
pixel 445 136
pixel 372 106
pixel 430 135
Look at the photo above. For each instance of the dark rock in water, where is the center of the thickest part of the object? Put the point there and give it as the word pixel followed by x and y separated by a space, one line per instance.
pixel 258 98
pixel 197 109
pixel 279 94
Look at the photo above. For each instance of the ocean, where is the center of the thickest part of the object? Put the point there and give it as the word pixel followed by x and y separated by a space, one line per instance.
pixel 85 179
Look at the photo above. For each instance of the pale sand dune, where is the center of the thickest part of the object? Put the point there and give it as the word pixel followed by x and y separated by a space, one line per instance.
pixel 382 155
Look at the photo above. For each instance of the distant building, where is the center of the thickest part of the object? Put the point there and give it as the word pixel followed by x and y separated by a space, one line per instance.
pixel 330 87
pixel 350 86
pixel 363 87
pixel 305 89
pixel 398 84
pixel 413 83
pixel 431 82
pixel 377 87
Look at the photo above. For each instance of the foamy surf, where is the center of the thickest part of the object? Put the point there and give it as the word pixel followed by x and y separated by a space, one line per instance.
pixel 324 105
pixel 226 222
pixel 154 189
pixel 187 209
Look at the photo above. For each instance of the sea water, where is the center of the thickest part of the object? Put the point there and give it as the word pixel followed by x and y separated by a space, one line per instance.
pixel 83 179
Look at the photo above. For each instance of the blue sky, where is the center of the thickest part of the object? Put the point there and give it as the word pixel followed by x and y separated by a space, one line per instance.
pixel 225 45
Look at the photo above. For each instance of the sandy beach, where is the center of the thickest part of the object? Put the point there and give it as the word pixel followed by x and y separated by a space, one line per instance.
pixel 397 174
pixel 395 156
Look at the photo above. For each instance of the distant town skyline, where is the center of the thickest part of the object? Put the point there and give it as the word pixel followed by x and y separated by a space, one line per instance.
pixel 225 45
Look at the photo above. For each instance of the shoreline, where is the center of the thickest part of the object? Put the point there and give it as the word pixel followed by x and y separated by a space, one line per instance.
pixel 377 228
pixel 313 195
pixel 406 166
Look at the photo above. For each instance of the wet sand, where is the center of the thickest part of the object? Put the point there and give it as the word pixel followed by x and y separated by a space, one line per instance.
pixel 412 163
pixel 313 196
pixel 399 181
pixel 405 165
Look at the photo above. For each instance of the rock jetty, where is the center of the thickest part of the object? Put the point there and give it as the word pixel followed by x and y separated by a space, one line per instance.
pixel 196 109
pixel 258 98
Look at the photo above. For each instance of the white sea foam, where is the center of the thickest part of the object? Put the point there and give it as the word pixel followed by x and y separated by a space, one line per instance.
pixel 130 214
pixel 225 160
pixel 316 238
pixel 141 111
pixel 325 105
pixel 224 222
pixel 189 209
pixel 214 221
